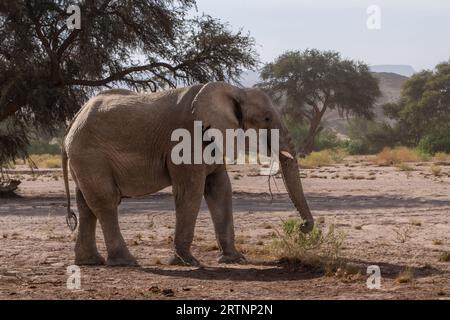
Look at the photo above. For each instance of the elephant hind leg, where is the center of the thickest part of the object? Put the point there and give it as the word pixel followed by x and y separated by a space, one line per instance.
pixel 103 199
pixel 86 252
pixel 118 254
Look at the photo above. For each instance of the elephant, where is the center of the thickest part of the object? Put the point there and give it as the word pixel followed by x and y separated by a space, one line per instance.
pixel 119 145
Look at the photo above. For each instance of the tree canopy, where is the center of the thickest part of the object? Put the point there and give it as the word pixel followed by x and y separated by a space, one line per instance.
pixel 425 102
pixel 47 70
pixel 309 83
pixel 423 112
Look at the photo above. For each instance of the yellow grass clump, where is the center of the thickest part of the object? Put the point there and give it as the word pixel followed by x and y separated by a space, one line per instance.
pixel 397 155
pixel 323 158
pixel 46 161
pixel 441 157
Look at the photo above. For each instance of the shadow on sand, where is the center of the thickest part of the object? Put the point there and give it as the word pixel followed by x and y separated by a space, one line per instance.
pixel 274 271
pixel 242 203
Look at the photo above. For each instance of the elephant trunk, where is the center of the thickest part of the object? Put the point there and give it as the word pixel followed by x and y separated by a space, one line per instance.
pixel 291 179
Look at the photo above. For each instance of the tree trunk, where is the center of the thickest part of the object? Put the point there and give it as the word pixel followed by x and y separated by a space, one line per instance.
pixel 308 145
pixel 314 124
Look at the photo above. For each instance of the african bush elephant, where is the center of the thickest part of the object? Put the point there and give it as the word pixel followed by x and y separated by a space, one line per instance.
pixel 119 145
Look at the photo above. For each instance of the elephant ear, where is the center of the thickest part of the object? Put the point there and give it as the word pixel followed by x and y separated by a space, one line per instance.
pixel 218 105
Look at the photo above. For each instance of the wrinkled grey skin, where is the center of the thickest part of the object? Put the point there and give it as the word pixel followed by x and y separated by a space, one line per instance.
pixel 119 145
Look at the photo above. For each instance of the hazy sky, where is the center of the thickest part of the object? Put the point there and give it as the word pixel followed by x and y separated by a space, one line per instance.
pixel 413 32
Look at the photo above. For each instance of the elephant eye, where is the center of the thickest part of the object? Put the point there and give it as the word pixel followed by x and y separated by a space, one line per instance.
pixel 267 119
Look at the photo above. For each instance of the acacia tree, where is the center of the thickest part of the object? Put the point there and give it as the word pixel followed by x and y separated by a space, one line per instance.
pixel 423 112
pixel 309 83
pixel 48 70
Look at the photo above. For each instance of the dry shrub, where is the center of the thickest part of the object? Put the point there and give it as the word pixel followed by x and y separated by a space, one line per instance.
pixel 47 161
pixel 398 155
pixel 403 234
pixel 406 276
pixel 319 248
pixel 441 157
pixel 323 158
pixel 435 170
pixel 404 167
pixel 444 257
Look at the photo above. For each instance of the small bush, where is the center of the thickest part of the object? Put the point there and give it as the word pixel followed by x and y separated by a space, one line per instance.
pixel 327 140
pixel 436 141
pixel 318 248
pixel 323 158
pixel 357 146
pixel 398 155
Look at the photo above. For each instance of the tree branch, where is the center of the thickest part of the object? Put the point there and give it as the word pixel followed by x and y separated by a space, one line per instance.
pixel 69 40
pixel 121 74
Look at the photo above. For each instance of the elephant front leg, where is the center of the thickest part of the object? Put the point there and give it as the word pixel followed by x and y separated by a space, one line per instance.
pixel 218 196
pixel 187 202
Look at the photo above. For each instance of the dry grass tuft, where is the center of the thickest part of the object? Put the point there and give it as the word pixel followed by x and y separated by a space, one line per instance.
pixel 441 157
pixel 320 248
pixel 241 239
pixel 435 170
pixel 406 276
pixel 403 234
pixel 444 257
pixel 416 223
pixel 266 225
pixel 46 161
pixel 404 167
pixel 323 158
pixel 397 155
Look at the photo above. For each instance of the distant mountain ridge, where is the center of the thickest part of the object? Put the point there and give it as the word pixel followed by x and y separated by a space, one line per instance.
pixel 401 69
pixel 250 78
pixel 391 85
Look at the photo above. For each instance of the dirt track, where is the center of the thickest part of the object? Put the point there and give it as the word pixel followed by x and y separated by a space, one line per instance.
pixel 372 205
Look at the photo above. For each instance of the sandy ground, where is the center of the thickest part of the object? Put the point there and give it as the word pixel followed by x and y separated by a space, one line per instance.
pixel 375 206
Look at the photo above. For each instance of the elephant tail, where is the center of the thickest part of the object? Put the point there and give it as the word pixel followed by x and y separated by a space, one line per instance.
pixel 71 218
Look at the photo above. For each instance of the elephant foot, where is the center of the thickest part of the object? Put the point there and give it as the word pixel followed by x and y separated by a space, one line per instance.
pixel 234 257
pixel 92 260
pixel 185 260
pixel 125 260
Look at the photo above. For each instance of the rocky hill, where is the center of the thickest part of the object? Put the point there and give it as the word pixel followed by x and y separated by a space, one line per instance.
pixel 403 70
pixel 390 85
